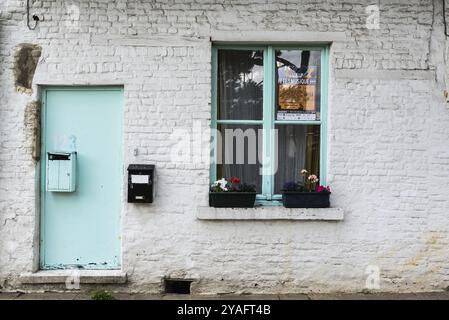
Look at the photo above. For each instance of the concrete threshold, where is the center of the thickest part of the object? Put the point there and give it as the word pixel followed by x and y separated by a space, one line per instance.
pixel 83 276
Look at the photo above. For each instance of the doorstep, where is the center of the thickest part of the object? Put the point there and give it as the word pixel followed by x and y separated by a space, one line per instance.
pixel 270 213
pixel 86 276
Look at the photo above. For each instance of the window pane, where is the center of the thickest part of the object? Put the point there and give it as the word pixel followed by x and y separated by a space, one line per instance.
pixel 240 84
pixel 238 156
pixel 298 74
pixel 298 148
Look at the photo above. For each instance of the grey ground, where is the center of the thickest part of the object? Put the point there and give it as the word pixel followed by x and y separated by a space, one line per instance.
pixel 122 296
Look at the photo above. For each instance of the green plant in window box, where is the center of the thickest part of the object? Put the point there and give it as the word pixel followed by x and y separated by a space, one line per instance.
pixel 232 194
pixel 306 194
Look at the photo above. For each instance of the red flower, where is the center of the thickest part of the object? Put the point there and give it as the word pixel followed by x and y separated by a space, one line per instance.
pixel 235 180
pixel 323 189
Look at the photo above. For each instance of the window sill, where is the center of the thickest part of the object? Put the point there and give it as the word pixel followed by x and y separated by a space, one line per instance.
pixel 86 277
pixel 270 213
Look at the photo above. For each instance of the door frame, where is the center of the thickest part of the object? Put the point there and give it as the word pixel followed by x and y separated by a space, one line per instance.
pixel 44 89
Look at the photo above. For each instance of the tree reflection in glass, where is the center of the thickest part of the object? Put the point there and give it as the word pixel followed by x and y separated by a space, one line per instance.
pixel 297 84
pixel 240 84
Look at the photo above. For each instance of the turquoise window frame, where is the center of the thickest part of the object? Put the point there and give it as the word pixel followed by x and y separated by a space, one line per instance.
pixel 268 122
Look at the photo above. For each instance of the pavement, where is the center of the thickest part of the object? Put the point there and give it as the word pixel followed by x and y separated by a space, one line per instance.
pixel 140 296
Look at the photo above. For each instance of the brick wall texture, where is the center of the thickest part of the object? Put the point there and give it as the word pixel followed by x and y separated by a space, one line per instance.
pixel 388 141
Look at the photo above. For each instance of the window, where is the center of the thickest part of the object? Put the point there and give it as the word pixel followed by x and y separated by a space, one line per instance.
pixel 269 111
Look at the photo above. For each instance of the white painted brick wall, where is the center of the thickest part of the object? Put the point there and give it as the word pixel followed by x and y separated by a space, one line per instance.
pixel 388 143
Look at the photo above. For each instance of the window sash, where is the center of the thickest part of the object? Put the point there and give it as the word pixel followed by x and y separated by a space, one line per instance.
pixel 269 109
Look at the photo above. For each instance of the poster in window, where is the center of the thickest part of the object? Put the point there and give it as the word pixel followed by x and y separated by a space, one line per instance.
pixel 297 94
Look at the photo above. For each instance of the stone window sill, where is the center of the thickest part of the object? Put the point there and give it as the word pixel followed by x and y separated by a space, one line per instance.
pixel 270 213
pixel 86 277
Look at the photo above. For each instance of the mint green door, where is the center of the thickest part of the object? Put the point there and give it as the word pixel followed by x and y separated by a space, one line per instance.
pixel 81 229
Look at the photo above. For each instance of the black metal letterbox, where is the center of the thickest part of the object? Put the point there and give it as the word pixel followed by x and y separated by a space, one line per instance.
pixel 140 183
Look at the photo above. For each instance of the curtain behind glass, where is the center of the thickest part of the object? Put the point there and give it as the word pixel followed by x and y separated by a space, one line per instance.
pixel 246 168
pixel 240 97
pixel 298 148
pixel 240 84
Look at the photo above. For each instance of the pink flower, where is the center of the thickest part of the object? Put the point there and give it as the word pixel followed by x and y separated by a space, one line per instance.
pixel 323 189
pixel 313 178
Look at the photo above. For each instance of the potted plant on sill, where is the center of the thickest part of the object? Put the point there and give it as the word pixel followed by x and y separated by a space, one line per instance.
pixel 232 194
pixel 306 195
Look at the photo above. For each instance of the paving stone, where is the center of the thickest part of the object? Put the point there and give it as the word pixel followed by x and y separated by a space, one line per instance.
pixel 141 296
